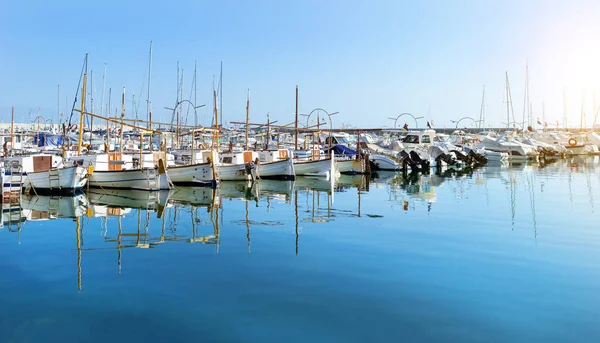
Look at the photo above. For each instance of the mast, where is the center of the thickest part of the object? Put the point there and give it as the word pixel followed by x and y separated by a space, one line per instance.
pixel 565 123
pixel 594 109
pixel 544 116
pixel 295 123
pixel 148 111
pixel 80 138
pixel 122 117
pixel 268 134
pixel 507 107
pixel 195 98
pixel 12 129
pixel 103 84
pixel 108 122
pixel 482 110
pixel 247 118
pixel 221 92
pixel 91 106
pixel 216 132
pixel 58 107
pixel 526 118
pixel 582 118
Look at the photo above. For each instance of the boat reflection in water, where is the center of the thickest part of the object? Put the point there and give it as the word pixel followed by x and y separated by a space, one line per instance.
pixel 45 207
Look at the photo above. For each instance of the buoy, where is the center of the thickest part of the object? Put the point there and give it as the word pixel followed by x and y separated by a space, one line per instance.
pixel 572 142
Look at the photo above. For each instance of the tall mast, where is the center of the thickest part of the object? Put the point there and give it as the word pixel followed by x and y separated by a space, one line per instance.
pixel 108 122
pixel 91 106
pixel 195 98
pixel 216 132
pixel 247 119
pixel 122 117
pixel 507 103
pixel 582 118
pixel 295 123
pixel 58 106
pixel 565 123
pixel 148 111
pixel 596 109
pixel 268 134
pixel 103 85
pixel 221 92
pixel 80 138
pixel 544 116
pixel 526 118
pixel 482 110
pixel 12 129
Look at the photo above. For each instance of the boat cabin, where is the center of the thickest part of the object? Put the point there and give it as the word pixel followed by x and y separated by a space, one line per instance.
pixel 337 139
pixel 416 138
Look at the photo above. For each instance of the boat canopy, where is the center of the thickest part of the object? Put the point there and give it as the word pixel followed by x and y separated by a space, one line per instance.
pixel 343 150
pixel 47 140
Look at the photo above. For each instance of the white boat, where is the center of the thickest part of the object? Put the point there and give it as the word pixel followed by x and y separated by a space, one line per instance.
pixel 66 179
pixel 381 162
pixel 515 150
pixel 350 167
pixel 237 166
pixel 318 168
pixel 199 174
pixel 278 170
pixel 141 179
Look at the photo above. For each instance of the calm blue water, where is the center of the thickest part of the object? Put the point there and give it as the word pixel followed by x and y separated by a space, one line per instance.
pixel 499 255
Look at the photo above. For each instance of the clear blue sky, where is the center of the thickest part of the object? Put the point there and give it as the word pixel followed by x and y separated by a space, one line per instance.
pixel 368 60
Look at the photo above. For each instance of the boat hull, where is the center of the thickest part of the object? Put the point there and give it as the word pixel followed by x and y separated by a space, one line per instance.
pixel 279 170
pixel 60 180
pixel 320 168
pixel 234 172
pixel 380 162
pixel 140 179
pixel 199 174
pixel 350 167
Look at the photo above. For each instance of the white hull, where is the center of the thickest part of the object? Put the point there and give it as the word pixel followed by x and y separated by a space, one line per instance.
pixel 12 182
pixel 233 172
pixel 384 163
pixel 140 179
pixel 314 168
pixel 200 174
pixel 350 166
pixel 63 179
pixel 280 170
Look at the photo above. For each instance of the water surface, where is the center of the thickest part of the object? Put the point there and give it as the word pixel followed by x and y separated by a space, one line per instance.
pixel 492 255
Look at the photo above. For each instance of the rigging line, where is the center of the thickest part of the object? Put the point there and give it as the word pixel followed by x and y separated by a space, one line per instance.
pixel 191 92
pixel 137 109
pixel 78 86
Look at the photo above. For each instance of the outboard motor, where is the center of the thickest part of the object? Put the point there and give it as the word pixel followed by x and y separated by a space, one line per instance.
pixel 439 155
pixel 424 164
pixel 407 161
pixel 250 169
pixel 479 158
pixel 462 157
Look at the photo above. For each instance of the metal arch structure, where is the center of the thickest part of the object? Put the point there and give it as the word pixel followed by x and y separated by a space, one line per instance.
pixel 318 119
pixel 319 109
pixel 405 114
pixel 179 103
pixel 477 122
